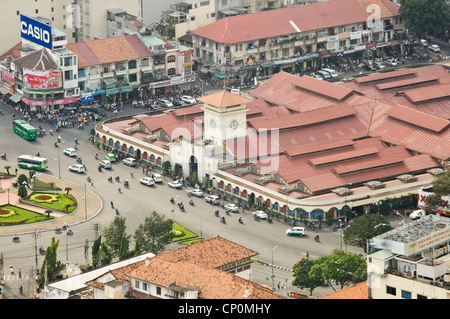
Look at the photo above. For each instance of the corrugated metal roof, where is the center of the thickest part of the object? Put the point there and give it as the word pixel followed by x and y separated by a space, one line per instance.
pixel 407 82
pixel 417 118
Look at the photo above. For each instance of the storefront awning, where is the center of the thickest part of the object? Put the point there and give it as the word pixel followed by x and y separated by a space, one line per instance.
pixel 16 97
pixel 110 81
pixel 4 90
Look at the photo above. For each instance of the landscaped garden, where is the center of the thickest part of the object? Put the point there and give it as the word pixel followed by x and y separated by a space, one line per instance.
pixel 12 215
pixel 183 235
pixel 62 202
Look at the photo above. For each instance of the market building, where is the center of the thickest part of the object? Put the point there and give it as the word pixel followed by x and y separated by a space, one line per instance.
pixel 238 49
pixel 302 147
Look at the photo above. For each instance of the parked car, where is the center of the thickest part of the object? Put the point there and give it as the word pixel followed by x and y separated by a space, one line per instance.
pixel 165 103
pixel 147 181
pixel 105 164
pixel 235 91
pixel 97 117
pixel 379 65
pixel 110 157
pixel 332 72
pixel 195 192
pixel 369 67
pixel 157 178
pixel 77 168
pixel 212 199
pixel 317 76
pixel 260 214
pixel 391 62
pixel 296 231
pixel 434 48
pixel 129 161
pixel 417 214
pixel 175 184
pixel 324 74
pixel 188 99
pixel 231 208
pixel 70 152
pixel 179 103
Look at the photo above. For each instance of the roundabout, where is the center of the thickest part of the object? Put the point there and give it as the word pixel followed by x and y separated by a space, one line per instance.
pixel 88 205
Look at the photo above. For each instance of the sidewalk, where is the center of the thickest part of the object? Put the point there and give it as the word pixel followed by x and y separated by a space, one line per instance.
pixel 93 204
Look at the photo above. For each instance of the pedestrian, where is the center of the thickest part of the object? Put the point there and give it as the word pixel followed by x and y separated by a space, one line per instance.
pixel 16 170
pixel 20 273
pixel 11 269
pixel 112 204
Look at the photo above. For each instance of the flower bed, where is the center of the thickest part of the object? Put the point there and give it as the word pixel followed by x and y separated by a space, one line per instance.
pixel 19 216
pixel 62 202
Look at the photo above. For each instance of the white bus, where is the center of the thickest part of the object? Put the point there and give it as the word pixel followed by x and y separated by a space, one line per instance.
pixel 32 162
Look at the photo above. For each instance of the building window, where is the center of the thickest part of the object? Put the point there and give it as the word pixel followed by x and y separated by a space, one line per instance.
pixel 171 71
pixel 170 59
pixel 391 290
pixel 144 286
pixel 406 294
pixel 421 297
pixel 136 284
pixel 158 290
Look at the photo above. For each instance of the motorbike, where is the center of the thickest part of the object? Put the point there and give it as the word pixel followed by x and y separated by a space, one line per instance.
pixel 191 202
pixel 316 238
pixel 180 204
pixel 56 144
pixel 269 220
pixel 96 157
pixel 117 178
pixel 41 250
pixel 222 220
pixel 51 132
pixel 89 179
pixel 110 179
pixel 125 183
pixel 117 211
pixel 79 160
pixel 216 213
pixel 241 220
pixel 58 230
pixel 99 168
pixel 172 200
pixel 69 232
pixel 16 239
pixel 3 156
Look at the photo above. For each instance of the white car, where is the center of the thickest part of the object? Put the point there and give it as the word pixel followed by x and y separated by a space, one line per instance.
pixel 391 62
pixel 188 99
pixel 157 178
pixel 195 192
pixel 175 184
pixel 165 103
pixel 296 231
pixel 147 181
pixel 231 208
pixel 417 214
pixel 212 199
pixel 105 164
pixel 434 48
pixel 78 168
pixel 129 161
pixel 259 214
pixel 70 152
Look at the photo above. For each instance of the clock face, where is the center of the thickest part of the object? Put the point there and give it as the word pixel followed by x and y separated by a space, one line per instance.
pixel 212 123
pixel 233 124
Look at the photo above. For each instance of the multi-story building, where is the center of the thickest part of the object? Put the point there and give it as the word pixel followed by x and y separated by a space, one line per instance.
pixel 411 261
pixel 45 75
pixel 120 23
pixel 296 38
pixel 60 13
pixel 92 16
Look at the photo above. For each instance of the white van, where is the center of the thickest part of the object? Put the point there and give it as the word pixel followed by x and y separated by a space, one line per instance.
pixel 332 72
pixel 434 48
pixel 417 214
pixel 129 161
pixel 324 74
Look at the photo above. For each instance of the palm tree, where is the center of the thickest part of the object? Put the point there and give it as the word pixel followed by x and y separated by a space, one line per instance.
pixel 7 168
pixel 48 212
pixel 67 189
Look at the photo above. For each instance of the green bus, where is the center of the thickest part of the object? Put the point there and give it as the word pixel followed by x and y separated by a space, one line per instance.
pixel 32 162
pixel 25 130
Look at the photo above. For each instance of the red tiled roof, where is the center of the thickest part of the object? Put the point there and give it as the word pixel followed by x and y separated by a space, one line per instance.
pixel 224 99
pixel 138 45
pixel 291 20
pixel 85 56
pixel 358 291
pixel 417 118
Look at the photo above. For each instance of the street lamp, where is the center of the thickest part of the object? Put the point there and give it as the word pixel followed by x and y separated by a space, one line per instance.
pixel 8 189
pixel 273 276
pixel 59 162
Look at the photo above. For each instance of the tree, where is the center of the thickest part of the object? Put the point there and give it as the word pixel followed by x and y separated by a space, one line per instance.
pixel 51 267
pixel 95 252
pixel 341 267
pixel 441 188
pixel 423 16
pixel 67 189
pixel 177 170
pixel 167 166
pixel 302 277
pixel 154 234
pixel 101 255
pixel 7 167
pixel 193 179
pixel 114 235
pixel 22 178
pixel 22 191
pixel 365 227
pixel 48 212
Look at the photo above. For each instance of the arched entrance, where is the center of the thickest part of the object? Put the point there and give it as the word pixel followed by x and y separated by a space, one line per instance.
pixel 193 165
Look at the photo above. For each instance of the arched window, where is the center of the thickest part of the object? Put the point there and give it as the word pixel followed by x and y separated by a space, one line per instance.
pixel 111 142
pixel 131 150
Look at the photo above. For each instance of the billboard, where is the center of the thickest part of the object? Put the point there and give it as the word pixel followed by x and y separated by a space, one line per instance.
pixel 36 31
pixel 42 80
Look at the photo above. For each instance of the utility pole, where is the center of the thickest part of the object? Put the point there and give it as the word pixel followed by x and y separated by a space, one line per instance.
pixel 36 235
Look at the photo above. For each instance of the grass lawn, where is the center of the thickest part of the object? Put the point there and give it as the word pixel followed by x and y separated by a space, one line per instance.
pixel 13 215
pixel 182 233
pixel 62 202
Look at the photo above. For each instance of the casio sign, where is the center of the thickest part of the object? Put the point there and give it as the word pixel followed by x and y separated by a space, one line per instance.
pixel 36 31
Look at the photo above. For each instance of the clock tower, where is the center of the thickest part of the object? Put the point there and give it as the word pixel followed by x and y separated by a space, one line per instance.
pixel 225 116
